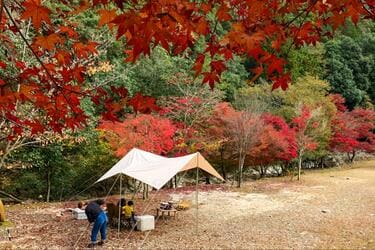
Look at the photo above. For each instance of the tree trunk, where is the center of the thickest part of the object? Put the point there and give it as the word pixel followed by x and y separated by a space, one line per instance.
pixel 262 171
pixel 285 168
pixel 322 162
pixel 145 191
pixel 48 185
pixel 240 167
pixel 222 164
pixel 352 157
pixel 299 167
pixel 207 179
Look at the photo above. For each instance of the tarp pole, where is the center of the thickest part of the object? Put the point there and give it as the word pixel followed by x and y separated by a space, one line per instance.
pixel 119 210
pixel 196 196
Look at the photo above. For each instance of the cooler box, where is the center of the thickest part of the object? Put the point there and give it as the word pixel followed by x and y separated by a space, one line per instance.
pixel 79 214
pixel 145 222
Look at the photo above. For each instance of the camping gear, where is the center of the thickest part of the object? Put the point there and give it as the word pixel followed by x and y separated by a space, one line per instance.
pixel 163 213
pixel 183 205
pixel 79 214
pixel 156 170
pixel 145 222
pixel 165 205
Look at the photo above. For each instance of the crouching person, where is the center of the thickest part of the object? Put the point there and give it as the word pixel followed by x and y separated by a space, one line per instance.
pixel 95 214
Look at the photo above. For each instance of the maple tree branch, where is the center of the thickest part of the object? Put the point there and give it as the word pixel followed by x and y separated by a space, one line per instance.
pixel 308 9
pixel 366 9
pixel 300 26
pixel 38 58
pixel 29 46
pixel 19 5
pixel 34 53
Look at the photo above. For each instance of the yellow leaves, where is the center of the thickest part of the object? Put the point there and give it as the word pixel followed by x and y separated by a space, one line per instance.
pixel 102 67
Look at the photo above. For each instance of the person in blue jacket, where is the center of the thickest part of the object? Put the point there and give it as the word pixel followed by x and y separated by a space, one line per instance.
pixel 95 214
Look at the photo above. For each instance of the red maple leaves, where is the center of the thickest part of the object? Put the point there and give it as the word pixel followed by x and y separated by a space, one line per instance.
pixel 147 132
pixel 37 12
pixel 257 29
pixel 352 130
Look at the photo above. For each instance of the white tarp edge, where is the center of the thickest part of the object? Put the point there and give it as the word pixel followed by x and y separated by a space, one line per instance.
pixel 153 169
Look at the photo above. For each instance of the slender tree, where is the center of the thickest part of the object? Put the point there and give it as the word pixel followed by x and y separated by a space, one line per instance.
pixel 304 126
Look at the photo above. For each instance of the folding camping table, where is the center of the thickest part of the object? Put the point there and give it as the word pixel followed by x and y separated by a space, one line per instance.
pixel 162 212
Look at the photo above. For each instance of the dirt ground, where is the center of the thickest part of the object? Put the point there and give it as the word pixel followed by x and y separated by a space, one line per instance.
pixel 328 209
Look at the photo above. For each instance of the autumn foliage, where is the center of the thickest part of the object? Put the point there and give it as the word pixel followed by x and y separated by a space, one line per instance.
pixel 353 131
pixel 147 132
pixel 54 83
pixel 276 142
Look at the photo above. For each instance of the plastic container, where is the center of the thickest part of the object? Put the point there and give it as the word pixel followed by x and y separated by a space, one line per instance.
pixel 145 222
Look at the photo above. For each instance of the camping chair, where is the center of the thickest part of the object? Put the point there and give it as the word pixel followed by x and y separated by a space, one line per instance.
pixel 113 212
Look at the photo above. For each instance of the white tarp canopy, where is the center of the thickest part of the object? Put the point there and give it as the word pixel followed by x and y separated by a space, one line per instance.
pixel 156 170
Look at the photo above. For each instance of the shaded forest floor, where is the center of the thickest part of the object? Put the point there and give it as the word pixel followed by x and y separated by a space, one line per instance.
pixel 332 208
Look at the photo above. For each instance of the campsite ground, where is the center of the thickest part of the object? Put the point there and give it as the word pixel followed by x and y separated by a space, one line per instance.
pixel 332 208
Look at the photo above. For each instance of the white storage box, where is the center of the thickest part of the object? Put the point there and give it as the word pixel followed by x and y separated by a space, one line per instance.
pixel 79 214
pixel 145 222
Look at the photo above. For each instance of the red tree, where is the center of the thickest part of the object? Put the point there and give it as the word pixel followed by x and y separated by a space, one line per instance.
pixel 239 129
pixel 53 82
pixel 353 131
pixel 147 132
pixel 188 113
pixel 303 126
pixel 276 143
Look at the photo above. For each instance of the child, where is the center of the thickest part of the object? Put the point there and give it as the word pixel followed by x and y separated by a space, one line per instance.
pixel 81 205
pixel 122 204
pixel 95 213
pixel 128 211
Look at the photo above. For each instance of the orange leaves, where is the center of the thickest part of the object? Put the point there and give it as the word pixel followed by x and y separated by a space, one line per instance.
pixel 223 13
pixel 37 12
pixel 63 57
pixel 199 64
pixel 202 27
pixel 48 42
pixel 106 16
pixel 84 50
pixel 69 31
pixel 83 5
